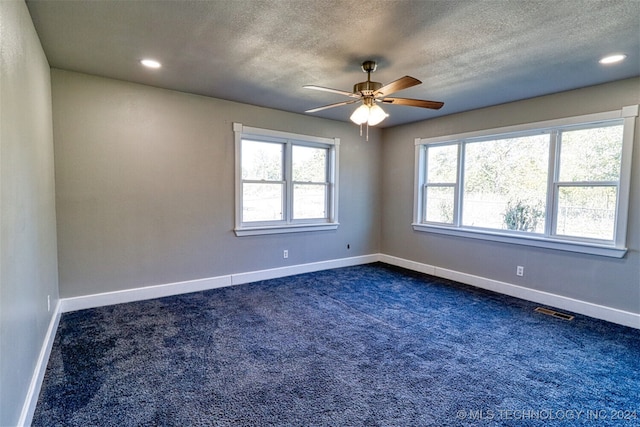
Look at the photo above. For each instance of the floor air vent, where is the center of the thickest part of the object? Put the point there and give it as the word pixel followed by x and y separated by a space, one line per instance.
pixel 554 313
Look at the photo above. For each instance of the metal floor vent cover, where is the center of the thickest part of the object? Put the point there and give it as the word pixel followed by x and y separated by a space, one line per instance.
pixel 554 313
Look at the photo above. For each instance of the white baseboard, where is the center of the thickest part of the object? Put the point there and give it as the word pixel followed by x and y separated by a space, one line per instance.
pixel 158 291
pixel 274 273
pixel 168 289
pixel 609 314
pixel 31 400
pixel 409 265
pixel 142 293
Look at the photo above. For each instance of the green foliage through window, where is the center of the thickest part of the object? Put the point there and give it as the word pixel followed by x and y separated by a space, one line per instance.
pixel 522 216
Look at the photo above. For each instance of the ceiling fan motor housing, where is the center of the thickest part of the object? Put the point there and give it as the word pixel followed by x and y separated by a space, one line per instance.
pixel 366 88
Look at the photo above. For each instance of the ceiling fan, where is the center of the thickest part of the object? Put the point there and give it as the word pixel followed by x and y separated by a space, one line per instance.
pixel 371 93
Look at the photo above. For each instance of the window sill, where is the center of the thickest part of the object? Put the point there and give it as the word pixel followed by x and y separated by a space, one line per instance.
pixel 282 229
pixel 539 242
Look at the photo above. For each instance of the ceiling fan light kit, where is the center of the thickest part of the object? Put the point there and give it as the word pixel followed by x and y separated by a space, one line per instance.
pixel 371 93
pixel 369 112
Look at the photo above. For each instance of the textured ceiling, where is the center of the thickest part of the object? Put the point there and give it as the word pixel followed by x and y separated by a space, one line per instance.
pixel 469 54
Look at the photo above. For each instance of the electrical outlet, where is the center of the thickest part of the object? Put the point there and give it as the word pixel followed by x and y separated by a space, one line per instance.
pixel 285 254
pixel 519 270
pixel 48 302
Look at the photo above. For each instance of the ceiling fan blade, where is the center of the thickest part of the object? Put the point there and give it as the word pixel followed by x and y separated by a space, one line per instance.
pixel 328 89
pixel 337 104
pixel 434 105
pixel 396 85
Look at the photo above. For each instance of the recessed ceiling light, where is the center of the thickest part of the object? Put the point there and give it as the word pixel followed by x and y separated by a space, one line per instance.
pixel 612 59
pixel 150 63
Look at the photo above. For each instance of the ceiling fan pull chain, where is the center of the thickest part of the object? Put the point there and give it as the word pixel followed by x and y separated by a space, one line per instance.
pixel 367 139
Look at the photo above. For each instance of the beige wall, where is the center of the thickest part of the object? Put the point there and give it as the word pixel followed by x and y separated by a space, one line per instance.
pixel 145 187
pixel 605 281
pixel 28 265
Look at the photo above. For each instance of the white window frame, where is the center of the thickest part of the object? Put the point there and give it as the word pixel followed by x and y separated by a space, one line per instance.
pixel 615 248
pixel 287 224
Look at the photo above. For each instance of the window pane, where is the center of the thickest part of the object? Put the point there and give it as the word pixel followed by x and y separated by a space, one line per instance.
pixel 442 163
pixel 505 183
pixel 587 212
pixel 261 202
pixel 261 160
pixel 309 164
pixel 591 154
pixel 440 204
pixel 309 201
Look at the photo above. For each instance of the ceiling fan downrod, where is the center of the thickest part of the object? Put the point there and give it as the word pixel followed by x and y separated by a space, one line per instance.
pixel 366 89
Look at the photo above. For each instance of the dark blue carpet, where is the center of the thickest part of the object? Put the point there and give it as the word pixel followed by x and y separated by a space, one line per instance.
pixel 369 345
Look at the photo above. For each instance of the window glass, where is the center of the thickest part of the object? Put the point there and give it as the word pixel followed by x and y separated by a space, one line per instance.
pixel 442 163
pixel 309 201
pixel 505 183
pixel 262 202
pixel 591 154
pixel 261 161
pixel 309 164
pixel 439 203
pixel 588 212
